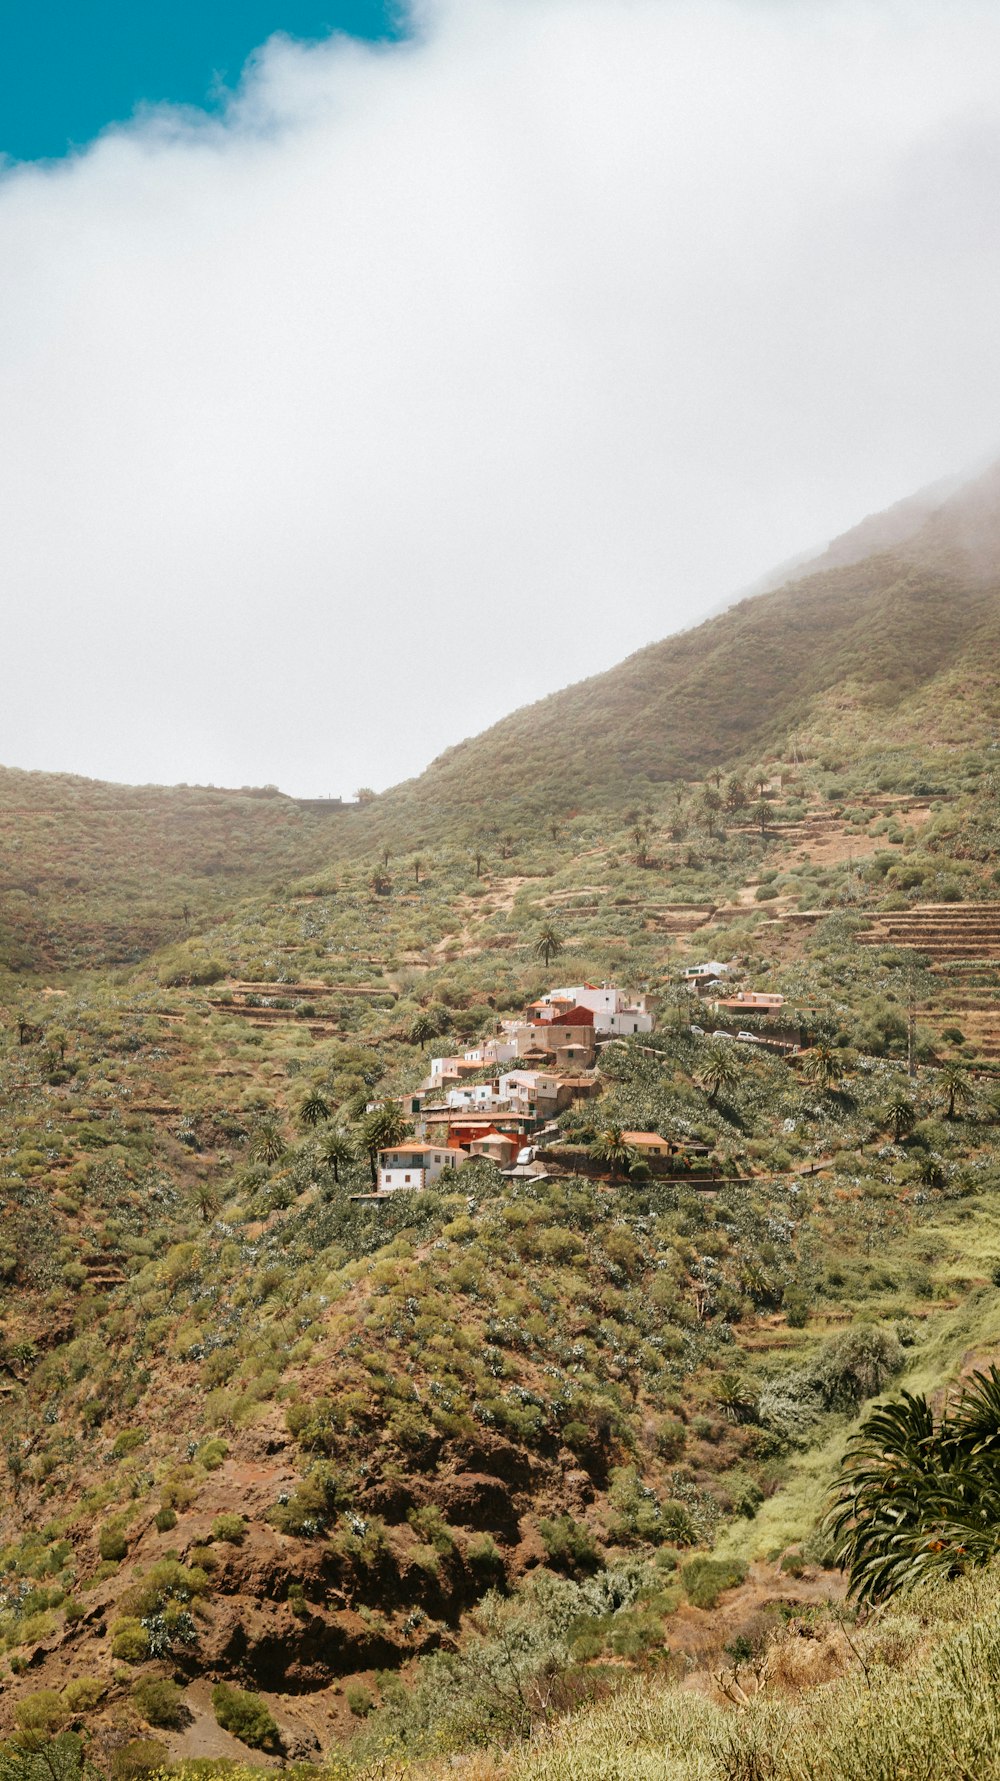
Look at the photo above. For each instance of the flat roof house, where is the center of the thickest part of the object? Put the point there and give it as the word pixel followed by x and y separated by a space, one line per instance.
pixel 752 1001
pixel 415 1165
pixel 613 1010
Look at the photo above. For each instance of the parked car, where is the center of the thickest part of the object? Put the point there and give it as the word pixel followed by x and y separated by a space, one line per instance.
pixel 699 1032
pixel 721 1035
pixel 751 1038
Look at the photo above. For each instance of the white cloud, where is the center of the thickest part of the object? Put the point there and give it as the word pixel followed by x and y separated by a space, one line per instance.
pixel 437 376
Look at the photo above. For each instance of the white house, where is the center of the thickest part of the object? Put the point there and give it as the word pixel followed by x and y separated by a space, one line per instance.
pixel 614 1010
pixel 415 1165
pixel 532 1091
pixel 480 1095
pixel 492 1051
pixel 443 1068
pixel 704 973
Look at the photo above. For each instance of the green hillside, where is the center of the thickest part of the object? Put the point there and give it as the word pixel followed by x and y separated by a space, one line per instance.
pixel 99 875
pixel 512 1476
pixel 901 640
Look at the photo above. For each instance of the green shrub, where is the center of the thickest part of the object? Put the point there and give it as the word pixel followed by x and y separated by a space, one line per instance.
pixel 111 1543
pixel 166 1581
pixel 484 1559
pixel 211 1454
pixel 705 1579
pixel 670 1439
pixel 83 1694
pixel 309 1507
pixel 430 1523
pixel 44 1711
pixel 138 1758
pixel 245 1715
pixel 229 1528
pixel 856 1365
pixel 165 1519
pixel 129 1640
pixel 795 1304
pixel 359 1699
pixel 569 1546
pixel 128 1441
pixel 159 1701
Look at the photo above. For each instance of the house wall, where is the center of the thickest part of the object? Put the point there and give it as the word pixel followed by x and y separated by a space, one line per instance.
pixel 392 1180
pixel 610 1007
pixel 426 1167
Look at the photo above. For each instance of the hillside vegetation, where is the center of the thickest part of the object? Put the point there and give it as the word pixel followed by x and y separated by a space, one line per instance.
pixel 99 875
pixel 514 1476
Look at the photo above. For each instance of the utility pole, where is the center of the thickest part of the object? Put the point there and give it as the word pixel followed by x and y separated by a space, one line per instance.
pixel 911 1030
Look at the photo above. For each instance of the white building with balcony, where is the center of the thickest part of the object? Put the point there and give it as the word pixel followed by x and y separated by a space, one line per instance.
pixel 415 1165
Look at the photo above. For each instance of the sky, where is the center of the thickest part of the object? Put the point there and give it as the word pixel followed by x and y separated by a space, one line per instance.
pixel 69 68
pixel 355 393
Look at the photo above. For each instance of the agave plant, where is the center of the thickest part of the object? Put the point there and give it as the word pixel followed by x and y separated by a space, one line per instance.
pixel 919 1496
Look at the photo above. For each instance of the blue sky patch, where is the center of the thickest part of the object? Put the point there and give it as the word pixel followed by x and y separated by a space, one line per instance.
pixel 68 68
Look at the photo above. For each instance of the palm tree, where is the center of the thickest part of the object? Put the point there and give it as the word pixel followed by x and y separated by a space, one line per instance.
pixel 709 807
pixel 548 944
pixel 919 1497
pixel 900 1117
pixel 718 1068
pixel 206 1198
pixel 736 795
pixel 382 1128
pixel 422 1030
pixel 954 1088
pixel 610 1147
pixel 267 1143
pixel 677 822
pixel 314 1109
pixel 824 1066
pixel 336 1151
pixel 761 814
pixel 641 831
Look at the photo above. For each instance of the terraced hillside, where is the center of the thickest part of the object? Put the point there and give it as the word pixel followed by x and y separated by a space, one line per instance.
pixel 943 932
pixel 381 1484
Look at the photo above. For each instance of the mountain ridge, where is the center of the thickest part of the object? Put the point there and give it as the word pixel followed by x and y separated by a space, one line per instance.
pixel 756 675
